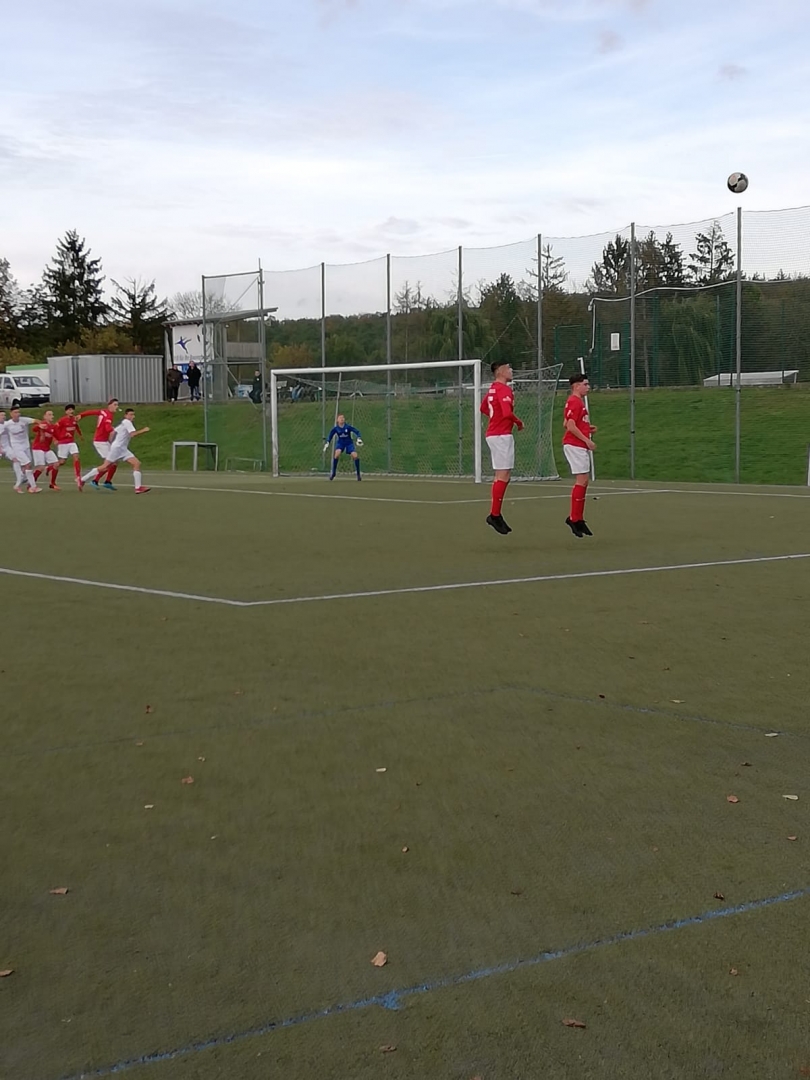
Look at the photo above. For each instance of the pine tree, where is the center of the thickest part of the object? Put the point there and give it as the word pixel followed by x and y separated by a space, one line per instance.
pixel 136 307
pixel 72 288
pixel 10 303
pixel 612 274
pixel 714 260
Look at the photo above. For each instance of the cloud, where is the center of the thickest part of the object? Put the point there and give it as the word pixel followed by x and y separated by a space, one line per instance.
pixel 609 42
pixel 732 72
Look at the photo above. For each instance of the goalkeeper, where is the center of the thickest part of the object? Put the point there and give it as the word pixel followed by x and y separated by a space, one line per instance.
pixel 344 444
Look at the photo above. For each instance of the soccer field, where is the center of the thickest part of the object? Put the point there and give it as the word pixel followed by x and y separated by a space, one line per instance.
pixel 551 779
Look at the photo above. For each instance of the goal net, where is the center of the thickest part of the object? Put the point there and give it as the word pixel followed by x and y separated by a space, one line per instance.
pixel 414 419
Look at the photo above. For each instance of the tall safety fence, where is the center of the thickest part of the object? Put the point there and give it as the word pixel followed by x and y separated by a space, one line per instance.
pixel 696 337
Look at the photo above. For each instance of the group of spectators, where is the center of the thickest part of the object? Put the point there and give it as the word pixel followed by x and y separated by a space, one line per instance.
pixel 174 380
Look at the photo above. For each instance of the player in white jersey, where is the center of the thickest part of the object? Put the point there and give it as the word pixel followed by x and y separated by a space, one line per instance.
pixel 15 435
pixel 120 451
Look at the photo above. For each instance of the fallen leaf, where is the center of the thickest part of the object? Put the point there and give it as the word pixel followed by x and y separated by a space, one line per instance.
pixel 214 836
pixel 676 701
pixel 238 693
pixel 61 891
pixel 574 1023
pixel 139 743
pixel 733 971
pixel 517 892
pixel 771 734
pixel 732 798
pixel 201 758
pixel 387 1049
pixel 5 974
pixel 187 780
pixel 655 849
pixel 149 806
pixel 380 959
pixel 793 838
pixel 148 708
pixel 745 764
pixel 382 770
pixel 793 798
pixel 719 896
pixel 405 850
pixel 602 696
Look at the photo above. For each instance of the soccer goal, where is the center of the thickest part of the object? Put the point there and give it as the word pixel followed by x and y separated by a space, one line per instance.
pixel 414 419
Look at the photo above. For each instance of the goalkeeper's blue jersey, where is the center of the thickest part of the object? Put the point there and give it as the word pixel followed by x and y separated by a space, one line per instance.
pixel 343 436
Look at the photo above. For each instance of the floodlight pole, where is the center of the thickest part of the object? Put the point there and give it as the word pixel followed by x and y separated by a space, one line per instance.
pixel 263 359
pixel 738 381
pixel 389 355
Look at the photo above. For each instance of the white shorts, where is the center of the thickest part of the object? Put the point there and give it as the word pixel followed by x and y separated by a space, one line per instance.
pixel 64 450
pixel 578 458
pixel 22 457
pixel 118 453
pixel 44 457
pixel 102 449
pixel 502 451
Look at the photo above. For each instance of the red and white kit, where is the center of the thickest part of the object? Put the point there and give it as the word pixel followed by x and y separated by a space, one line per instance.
pixel 498 405
pixel 576 452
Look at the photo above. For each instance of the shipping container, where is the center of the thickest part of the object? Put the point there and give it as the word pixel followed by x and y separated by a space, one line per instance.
pixel 88 380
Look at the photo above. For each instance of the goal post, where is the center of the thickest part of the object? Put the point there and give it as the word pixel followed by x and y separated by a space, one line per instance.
pixel 416 419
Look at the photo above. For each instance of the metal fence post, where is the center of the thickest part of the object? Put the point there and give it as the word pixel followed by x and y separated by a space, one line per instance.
pixel 539 354
pixel 633 351
pixel 207 374
pixel 460 356
pixel 323 350
pixel 389 358
pixel 738 330
pixel 263 357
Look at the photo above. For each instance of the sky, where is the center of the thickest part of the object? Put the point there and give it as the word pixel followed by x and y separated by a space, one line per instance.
pixel 189 137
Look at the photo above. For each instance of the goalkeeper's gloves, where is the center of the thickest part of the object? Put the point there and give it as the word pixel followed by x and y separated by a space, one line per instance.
pixel 359 442
pixel 325 447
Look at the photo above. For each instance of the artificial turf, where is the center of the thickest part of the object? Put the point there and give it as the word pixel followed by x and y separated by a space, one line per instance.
pixel 557 755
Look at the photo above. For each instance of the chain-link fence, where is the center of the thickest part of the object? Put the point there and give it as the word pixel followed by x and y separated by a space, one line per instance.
pixel 696 337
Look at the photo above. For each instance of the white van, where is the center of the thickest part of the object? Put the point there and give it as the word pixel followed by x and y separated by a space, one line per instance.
pixel 29 390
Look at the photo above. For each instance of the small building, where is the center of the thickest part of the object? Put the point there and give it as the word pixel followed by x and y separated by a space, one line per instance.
pixel 88 380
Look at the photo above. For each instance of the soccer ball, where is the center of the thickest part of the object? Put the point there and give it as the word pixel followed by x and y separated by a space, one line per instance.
pixel 737 182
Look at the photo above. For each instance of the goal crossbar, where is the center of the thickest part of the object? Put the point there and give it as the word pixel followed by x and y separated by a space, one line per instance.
pixel 391 369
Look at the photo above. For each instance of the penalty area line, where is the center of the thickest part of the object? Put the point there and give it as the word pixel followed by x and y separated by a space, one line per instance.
pixel 405 590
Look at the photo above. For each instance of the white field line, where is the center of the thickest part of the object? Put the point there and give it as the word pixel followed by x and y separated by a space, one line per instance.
pixel 452 586
pixel 413 502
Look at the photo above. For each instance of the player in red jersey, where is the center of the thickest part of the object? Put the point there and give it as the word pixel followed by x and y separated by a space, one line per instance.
pixel 44 458
pixel 66 431
pixel 578 447
pixel 498 405
pixel 101 439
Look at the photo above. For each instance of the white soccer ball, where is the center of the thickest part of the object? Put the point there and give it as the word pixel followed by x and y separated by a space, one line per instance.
pixel 737 182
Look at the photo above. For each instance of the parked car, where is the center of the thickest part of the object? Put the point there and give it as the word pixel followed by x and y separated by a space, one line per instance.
pixel 29 390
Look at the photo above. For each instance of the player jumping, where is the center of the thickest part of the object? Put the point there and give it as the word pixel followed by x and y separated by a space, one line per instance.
pixel 577 447
pixel 101 439
pixel 118 450
pixel 15 430
pixel 342 434
pixel 44 458
pixel 498 405
pixel 67 430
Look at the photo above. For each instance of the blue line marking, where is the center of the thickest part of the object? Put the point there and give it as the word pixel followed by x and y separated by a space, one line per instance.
pixel 393 999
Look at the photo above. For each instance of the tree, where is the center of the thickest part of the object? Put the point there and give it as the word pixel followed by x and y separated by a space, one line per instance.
pixel 612 274
pixel 553 275
pixel 10 302
pixel 501 304
pixel 72 288
pixel 136 307
pixel 285 356
pixel 714 260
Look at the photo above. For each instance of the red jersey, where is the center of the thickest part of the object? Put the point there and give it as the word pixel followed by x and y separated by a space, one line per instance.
pixel 104 426
pixel 577 410
pixel 498 406
pixel 66 429
pixel 43 435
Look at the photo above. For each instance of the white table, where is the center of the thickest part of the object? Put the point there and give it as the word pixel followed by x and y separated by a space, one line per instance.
pixel 196 453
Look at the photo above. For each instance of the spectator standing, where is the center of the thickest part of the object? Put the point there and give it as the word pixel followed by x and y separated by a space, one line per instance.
pixel 193 374
pixel 174 379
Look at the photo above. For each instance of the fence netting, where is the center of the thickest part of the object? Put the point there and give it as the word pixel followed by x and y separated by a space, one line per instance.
pixel 656 315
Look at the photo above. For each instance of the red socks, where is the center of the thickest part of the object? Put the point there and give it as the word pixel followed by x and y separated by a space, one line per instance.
pixel 578 493
pixel 110 474
pixel 77 469
pixel 498 493
pixel 37 474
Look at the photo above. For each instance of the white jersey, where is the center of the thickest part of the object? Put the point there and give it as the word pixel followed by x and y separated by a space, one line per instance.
pixel 121 436
pixel 5 445
pixel 16 432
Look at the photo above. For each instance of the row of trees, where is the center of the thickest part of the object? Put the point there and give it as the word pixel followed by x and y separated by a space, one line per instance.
pixel 684 334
